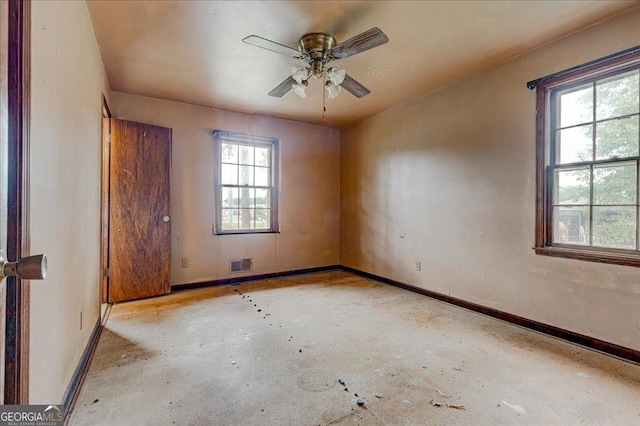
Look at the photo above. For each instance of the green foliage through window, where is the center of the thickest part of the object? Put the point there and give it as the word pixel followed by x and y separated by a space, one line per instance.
pixel 595 146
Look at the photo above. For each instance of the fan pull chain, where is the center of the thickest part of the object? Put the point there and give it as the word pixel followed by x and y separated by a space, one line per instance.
pixel 324 105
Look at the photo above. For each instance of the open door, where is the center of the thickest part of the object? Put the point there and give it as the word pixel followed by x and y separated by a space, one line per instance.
pixel 139 211
pixel 4 49
pixel 14 151
pixel 14 48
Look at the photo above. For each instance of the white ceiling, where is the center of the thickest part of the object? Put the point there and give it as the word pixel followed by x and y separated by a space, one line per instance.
pixel 192 51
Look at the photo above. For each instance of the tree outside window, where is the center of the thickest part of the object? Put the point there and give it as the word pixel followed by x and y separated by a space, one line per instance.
pixel 589 162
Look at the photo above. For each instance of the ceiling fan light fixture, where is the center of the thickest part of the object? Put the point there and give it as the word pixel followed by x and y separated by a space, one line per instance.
pixel 333 89
pixel 298 89
pixel 336 75
pixel 300 73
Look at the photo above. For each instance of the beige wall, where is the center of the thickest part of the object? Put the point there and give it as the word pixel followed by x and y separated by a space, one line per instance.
pixel 309 190
pixel 449 180
pixel 66 84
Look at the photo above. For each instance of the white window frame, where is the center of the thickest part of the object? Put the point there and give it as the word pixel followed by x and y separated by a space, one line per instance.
pixel 220 137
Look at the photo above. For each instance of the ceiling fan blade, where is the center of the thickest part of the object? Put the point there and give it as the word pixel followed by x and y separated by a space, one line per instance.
pixel 273 46
pixel 365 41
pixel 355 88
pixel 282 88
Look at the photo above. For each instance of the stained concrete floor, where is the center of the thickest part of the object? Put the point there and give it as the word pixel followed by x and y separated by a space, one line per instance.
pixel 272 352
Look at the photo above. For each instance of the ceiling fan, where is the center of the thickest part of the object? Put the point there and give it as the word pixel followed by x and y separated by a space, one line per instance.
pixel 318 50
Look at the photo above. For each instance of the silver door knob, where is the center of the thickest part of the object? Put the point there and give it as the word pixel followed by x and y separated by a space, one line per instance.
pixel 27 268
pixel 166 219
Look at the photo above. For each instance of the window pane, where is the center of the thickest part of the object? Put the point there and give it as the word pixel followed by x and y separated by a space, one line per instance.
pixel 572 186
pixel 575 144
pixel 262 156
pixel 617 96
pixel 614 184
pixel 614 227
pixel 246 220
pixel 571 225
pixel 246 155
pixel 263 218
pixel 229 219
pixel 262 176
pixel 229 153
pixel 229 174
pixel 576 107
pixel 263 198
pixel 229 197
pixel 246 197
pixel 617 138
pixel 246 175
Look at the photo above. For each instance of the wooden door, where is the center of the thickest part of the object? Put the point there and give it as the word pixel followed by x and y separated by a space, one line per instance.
pixel 4 15
pixel 139 216
pixel 15 30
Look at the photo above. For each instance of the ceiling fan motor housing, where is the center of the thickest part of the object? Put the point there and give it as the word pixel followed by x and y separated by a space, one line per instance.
pixel 317 46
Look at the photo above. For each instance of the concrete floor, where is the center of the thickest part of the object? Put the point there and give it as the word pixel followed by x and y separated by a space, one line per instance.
pixel 271 352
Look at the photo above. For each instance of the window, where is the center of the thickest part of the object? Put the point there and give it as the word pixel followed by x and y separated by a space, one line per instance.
pixel 589 162
pixel 245 183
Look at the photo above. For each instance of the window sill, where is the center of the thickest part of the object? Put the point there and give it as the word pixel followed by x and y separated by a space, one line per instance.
pixel 590 256
pixel 221 234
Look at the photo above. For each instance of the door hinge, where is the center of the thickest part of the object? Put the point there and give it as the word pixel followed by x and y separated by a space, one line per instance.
pixel 107 138
pixel 106 272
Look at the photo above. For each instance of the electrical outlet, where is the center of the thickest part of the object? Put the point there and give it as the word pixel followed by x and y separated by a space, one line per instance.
pixel 185 262
pixel 418 266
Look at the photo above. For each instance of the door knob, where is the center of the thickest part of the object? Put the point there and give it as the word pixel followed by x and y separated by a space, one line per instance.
pixel 27 268
pixel 166 219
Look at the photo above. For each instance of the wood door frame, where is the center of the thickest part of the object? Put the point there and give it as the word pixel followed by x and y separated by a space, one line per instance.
pixel 16 389
pixel 104 197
